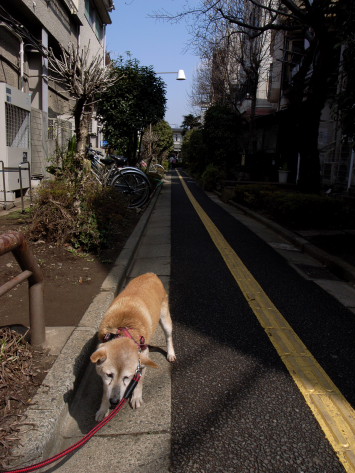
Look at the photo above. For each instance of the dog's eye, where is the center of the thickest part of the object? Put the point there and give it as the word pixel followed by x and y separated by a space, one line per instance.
pixel 109 375
pixel 125 380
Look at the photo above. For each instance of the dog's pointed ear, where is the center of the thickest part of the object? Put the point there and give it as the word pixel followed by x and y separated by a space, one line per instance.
pixel 99 356
pixel 148 362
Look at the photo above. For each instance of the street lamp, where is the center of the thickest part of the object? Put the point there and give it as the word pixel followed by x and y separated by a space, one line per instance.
pixel 180 74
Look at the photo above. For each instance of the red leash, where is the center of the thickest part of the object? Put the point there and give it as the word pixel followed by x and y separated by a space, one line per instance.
pixel 86 437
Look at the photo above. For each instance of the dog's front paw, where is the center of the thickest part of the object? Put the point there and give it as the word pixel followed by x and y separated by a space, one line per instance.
pixel 136 402
pixel 101 414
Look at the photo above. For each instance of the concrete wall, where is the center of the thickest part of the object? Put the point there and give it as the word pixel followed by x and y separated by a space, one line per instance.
pixel 56 19
pixel 9 52
pixel 39 149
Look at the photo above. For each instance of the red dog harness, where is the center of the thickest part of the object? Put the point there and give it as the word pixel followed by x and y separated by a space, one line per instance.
pixel 124 332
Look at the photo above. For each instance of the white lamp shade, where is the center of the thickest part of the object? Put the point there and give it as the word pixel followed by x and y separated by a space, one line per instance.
pixel 181 75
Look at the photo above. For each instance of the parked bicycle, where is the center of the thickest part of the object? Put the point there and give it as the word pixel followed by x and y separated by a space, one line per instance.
pixel 113 171
pixel 157 168
pixel 154 167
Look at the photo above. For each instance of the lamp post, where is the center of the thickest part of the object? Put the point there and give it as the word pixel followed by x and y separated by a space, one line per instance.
pixel 180 74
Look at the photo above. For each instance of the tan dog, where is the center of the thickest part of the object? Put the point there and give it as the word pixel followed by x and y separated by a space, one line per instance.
pixel 125 332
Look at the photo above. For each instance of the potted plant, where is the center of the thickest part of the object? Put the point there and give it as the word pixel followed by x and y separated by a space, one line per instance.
pixel 283 173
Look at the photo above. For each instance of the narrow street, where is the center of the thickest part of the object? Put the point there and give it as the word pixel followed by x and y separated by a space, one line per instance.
pixel 235 406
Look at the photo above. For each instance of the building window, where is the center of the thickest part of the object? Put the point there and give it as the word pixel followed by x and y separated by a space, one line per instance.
pixel 99 29
pixel 94 20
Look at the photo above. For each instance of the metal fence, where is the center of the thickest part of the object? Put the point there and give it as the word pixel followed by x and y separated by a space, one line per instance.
pixel 17 243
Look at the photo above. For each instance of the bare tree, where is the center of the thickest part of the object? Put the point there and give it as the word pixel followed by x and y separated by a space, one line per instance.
pixel 201 91
pixel 148 144
pixel 85 78
pixel 236 67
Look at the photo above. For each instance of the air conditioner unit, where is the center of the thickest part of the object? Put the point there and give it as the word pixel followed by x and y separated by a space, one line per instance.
pixel 15 142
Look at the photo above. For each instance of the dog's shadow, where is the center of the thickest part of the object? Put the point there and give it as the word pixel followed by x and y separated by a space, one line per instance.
pixel 86 399
pixel 154 349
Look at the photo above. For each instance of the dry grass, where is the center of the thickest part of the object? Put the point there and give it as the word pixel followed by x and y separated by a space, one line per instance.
pixel 19 380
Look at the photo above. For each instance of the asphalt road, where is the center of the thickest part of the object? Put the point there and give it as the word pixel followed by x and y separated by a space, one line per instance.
pixel 235 407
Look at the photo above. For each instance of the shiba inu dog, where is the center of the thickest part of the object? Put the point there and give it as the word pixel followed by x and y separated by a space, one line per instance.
pixel 125 333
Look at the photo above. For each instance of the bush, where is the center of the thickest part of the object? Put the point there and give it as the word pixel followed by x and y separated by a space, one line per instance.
pixel 210 177
pixel 298 210
pixel 193 152
pixel 82 214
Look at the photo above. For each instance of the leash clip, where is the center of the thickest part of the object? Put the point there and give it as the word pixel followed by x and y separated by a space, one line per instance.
pixel 139 367
pixel 134 381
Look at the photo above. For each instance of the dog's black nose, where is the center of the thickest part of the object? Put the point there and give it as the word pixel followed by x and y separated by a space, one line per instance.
pixel 114 401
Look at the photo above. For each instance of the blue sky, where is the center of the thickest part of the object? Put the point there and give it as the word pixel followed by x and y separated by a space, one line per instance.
pixel 155 43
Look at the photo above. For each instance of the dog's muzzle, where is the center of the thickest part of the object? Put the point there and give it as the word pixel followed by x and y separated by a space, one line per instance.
pixel 130 388
pixel 114 401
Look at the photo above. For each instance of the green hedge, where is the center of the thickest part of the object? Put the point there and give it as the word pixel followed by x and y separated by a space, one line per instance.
pixel 298 210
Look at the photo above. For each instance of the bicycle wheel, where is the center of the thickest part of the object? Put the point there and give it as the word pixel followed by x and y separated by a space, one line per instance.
pixel 134 185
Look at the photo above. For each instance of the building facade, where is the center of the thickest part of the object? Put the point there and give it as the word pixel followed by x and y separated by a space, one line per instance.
pixel 28 30
pixel 178 139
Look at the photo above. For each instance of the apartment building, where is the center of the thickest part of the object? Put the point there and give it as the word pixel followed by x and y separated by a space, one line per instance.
pixel 32 105
pixel 287 53
pixel 178 139
pixel 290 112
pixel 240 79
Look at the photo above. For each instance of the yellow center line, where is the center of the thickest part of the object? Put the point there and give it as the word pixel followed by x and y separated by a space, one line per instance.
pixel 332 411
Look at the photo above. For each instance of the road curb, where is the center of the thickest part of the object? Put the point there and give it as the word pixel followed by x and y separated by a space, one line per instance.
pixel 51 403
pixel 336 265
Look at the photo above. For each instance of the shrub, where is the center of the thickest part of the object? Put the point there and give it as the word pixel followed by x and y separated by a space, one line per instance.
pixel 298 210
pixel 81 214
pixel 193 152
pixel 210 177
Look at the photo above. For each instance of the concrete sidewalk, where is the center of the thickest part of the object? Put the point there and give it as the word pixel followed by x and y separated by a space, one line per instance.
pixel 135 440
pixel 332 274
pixel 59 420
